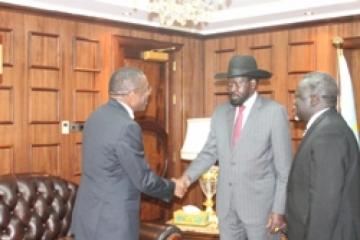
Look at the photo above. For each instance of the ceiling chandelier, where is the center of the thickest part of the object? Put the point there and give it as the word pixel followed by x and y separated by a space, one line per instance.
pixel 183 12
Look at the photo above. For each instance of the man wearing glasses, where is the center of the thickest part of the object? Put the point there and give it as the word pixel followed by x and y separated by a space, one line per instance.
pixel 114 171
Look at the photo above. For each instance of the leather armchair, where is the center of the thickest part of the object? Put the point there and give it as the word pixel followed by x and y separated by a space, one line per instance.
pixel 40 206
pixel 35 207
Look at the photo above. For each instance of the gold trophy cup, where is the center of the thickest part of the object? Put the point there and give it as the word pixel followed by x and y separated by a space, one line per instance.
pixel 208 183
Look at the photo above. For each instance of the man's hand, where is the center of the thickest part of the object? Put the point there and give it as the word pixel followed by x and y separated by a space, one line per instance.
pixel 275 223
pixel 181 185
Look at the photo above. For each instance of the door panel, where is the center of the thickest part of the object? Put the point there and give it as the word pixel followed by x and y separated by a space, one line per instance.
pixel 12 142
pixel 43 90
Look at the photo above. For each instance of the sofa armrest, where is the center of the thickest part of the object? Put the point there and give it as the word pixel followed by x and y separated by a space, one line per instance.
pixel 158 231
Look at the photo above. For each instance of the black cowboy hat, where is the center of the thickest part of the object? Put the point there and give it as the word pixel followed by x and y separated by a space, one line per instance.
pixel 243 66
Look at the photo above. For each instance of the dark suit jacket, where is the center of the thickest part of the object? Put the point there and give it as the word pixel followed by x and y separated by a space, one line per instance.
pixel 114 173
pixel 324 185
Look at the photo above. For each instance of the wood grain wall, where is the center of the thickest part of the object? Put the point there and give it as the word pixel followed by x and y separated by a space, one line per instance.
pixel 57 68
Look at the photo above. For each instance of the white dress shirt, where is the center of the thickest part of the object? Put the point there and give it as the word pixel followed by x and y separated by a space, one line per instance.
pixel 249 103
pixel 313 118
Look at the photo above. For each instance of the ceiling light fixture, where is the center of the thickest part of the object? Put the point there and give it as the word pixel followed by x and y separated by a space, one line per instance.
pixel 183 12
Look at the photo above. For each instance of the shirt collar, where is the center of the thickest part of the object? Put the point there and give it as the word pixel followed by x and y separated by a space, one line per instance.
pixel 314 117
pixel 250 101
pixel 127 108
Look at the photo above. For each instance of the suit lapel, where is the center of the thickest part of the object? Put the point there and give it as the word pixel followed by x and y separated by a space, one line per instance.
pixel 115 104
pixel 313 126
pixel 230 121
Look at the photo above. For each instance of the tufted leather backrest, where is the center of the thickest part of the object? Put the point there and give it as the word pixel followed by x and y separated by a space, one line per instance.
pixel 35 207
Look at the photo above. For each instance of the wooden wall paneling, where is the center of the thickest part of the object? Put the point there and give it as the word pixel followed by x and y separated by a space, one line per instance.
pixel 209 71
pixel 87 89
pixel 193 79
pixel 141 34
pixel 261 50
pixel 6 105
pixel 7 36
pixel 37 56
pixel 243 43
pixel 343 30
pixel 107 62
pixel 43 90
pixel 67 32
pixel 7 159
pixel 325 51
pixel 46 158
pixel 279 58
pixel 89 62
pixel 301 59
pixel 161 37
pixel 223 54
pixel 6 152
pixel 12 141
pixel 44 106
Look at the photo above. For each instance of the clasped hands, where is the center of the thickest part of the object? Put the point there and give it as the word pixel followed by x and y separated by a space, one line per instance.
pixel 276 223
pixel 181 185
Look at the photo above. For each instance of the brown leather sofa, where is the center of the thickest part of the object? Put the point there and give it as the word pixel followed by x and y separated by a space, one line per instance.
pixel 40 207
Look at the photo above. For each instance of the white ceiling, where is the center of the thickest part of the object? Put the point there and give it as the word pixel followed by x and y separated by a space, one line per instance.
pixel 240 15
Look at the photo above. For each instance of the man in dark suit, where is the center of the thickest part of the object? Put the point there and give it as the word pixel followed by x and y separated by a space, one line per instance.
pixel 114 171
pixel 324 184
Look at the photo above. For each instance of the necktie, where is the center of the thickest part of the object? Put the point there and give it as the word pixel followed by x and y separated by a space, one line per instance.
pixel 238 125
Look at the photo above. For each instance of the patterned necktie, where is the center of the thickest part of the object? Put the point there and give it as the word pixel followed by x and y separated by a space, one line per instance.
pixel 238 125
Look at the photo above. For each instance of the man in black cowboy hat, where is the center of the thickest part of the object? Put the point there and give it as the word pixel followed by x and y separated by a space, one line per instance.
pixel 250 138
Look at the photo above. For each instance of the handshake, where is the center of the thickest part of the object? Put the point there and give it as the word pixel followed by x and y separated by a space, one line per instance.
pixel 181 185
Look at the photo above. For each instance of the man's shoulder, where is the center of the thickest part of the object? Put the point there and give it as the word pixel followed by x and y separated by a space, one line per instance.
pixel 108 113
pixel 224 107
pixel 270 104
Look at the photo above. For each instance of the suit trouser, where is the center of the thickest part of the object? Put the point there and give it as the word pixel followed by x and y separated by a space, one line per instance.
pixel 233 228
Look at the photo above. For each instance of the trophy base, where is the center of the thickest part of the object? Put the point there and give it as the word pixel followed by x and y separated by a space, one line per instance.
pixel 213 219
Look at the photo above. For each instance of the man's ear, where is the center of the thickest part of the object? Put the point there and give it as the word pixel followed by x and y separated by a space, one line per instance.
pixel 314 100
pixel 253 84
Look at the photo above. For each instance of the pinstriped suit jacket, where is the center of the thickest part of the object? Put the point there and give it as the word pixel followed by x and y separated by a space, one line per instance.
pixel 255 171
